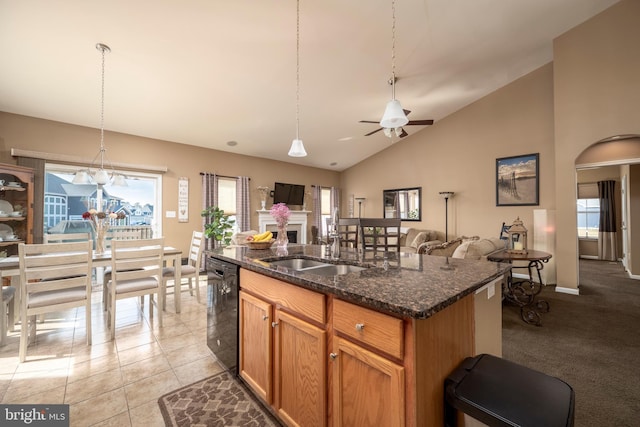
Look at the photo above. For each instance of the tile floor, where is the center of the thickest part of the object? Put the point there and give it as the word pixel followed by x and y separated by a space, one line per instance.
pixel 110 383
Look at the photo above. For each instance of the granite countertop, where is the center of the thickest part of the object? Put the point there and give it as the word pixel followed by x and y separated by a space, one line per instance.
pixel 416 286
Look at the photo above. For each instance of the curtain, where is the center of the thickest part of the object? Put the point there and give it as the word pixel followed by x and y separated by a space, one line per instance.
pixel 607 236
pixel 316 192
pixel 209 198
pixel 335 199
pixel 243 206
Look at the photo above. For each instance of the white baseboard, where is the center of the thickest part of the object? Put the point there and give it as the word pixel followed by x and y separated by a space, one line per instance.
pixel 570 291
pixel 589 256
pixel 633 276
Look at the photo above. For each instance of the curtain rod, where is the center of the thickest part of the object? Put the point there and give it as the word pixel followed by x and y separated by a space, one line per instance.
pixel 221 176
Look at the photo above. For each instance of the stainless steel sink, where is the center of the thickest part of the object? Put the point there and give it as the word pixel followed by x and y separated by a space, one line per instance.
pixel 333 269
pixel 298 263
pixel 309 266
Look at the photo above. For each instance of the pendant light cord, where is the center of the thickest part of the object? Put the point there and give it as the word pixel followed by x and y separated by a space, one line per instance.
pixel 104 49
pixel 298 69
pixel 393 49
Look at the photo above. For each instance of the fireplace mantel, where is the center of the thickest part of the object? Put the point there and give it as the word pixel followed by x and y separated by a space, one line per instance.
pixel 297 221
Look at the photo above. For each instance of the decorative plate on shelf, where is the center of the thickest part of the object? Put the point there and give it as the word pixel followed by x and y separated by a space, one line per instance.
pixel 260 245
pixel 5 230
pixel 6 207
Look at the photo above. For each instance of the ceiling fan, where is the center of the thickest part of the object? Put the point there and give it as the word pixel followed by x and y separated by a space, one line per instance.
pixel 400 132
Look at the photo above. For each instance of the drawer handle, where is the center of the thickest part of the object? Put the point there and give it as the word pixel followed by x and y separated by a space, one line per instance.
pixel 274 324
pixel 265 317
pixel 333 356
pixel 359 326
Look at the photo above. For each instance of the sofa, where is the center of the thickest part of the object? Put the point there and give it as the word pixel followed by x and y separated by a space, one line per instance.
pixel 412 239
pixel 466 247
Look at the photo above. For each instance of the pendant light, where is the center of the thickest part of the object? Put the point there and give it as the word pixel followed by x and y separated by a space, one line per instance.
pixel 297 147
pixel 394 116
pixel 101 176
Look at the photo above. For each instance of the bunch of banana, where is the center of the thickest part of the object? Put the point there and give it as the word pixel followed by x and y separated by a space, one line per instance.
pixel 262 237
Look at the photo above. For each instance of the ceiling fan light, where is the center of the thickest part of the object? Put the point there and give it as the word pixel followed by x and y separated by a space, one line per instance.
pixel 387 132
pixel 394 116
pixel 297 149
pixel 398 131
pixel 81 177
pixel 101 177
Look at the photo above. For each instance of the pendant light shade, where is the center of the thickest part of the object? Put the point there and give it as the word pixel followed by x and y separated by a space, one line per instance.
pixel 297 149
pixel 101 177
pixel 81 177
pixel 394 116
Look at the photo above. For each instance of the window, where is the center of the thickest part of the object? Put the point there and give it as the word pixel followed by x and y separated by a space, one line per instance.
pixel 65 201
pixel 325 203
pixel 227 198
pixel 588 218
pixel 588 209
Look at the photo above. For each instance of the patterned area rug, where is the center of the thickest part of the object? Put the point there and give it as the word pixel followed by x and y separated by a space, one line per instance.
pixel 220 400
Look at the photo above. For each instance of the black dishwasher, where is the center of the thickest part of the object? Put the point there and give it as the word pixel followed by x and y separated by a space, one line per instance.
pixel 222 312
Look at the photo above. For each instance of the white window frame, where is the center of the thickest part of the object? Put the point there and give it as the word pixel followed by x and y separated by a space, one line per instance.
pixel 156 222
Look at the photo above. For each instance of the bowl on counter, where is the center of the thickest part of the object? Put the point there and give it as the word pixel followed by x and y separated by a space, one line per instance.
pixel 16 213
pixel 260 245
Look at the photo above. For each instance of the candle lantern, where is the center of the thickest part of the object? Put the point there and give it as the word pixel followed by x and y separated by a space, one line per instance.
pixel 517 241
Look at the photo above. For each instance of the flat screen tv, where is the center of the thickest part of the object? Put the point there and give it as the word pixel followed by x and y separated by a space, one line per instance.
pixel 290 194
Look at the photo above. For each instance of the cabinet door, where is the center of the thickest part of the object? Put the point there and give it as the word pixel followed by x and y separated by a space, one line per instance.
pixel 255 345
pixel 368 390
pixel 300 377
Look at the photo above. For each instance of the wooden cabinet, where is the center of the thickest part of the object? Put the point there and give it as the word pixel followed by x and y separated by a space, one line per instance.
pixel 16 204
pixel 283 347
pixel 255 358
pixel 319 361
pixel 368 386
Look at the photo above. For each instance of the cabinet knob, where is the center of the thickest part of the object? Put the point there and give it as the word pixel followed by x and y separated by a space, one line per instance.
pixel 265 317
pixel 359 326
pixel 274 324
pixel 333 356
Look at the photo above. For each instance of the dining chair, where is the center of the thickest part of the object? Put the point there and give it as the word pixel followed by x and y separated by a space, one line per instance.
pixel 111 235
pixel 190 271
pixel 136 270
pixel 7 317
pixel 53 277
pixel 64 238
pixel 380 236
pixel 348 232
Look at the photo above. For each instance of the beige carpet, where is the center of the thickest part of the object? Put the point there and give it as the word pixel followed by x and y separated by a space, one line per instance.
pixel 220 400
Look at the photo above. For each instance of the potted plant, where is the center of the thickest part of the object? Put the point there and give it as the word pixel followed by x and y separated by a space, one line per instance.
pixel 218 226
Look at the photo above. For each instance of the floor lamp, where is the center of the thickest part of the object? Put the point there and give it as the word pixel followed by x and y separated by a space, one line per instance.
pixel 360 200
pixel 447 195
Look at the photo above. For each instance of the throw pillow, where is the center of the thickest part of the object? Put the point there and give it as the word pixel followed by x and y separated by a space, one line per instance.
pixel 461 251
pixel 419 239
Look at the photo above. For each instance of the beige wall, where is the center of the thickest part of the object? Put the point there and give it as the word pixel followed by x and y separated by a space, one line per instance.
pixel 182 160
pixel 459 154
pixel 596 96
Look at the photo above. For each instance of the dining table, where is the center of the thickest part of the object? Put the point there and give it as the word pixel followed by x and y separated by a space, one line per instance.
pixel 10 267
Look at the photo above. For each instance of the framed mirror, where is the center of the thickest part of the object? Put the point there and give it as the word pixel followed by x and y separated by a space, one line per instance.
pixel 403 203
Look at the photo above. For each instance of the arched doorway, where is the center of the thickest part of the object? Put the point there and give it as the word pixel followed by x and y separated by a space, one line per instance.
pixel 615 158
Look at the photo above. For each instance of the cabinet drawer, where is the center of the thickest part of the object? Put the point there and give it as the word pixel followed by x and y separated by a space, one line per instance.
pixel 302 301
pixel 378 330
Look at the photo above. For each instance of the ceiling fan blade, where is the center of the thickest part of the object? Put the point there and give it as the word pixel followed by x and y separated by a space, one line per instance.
pixel 403 134
pixel 406 112
pixel 371 133
pixel 368 121
pixel 420 122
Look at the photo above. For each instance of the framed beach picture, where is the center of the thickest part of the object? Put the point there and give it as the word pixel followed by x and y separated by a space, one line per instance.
pixel 517 181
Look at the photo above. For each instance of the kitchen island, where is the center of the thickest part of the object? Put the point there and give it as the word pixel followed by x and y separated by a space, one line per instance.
pixel 369 347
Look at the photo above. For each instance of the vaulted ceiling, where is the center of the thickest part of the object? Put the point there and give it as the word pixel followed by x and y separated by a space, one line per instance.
pixel 208 72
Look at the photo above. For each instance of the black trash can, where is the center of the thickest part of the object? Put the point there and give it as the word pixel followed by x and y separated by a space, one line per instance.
pixel 501 393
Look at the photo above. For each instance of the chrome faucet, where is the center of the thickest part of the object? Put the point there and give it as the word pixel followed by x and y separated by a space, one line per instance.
pixel 334 236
